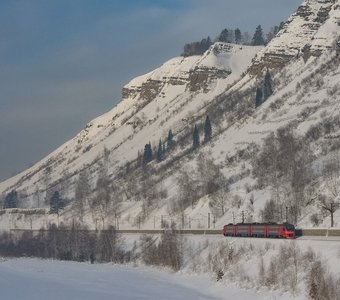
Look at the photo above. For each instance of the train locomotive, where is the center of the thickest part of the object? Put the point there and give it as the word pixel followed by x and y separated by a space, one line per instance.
pixel 266 230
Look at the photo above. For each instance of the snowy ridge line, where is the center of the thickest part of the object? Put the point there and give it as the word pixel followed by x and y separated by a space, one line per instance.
pixel 324 232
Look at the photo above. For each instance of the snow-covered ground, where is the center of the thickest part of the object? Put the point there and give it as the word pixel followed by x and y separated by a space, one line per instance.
pixel 28 278
pixel 33 279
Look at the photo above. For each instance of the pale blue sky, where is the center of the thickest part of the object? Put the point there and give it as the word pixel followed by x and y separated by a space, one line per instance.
pixel 64 62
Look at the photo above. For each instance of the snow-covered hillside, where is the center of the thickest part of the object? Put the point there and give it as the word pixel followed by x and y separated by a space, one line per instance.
pixel 304 65
pixel 151 104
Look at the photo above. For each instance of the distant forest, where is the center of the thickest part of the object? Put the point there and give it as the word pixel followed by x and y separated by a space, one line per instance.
pixel 232 36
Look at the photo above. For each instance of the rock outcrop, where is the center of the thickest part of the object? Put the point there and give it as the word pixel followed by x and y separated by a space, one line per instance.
pixel 308 32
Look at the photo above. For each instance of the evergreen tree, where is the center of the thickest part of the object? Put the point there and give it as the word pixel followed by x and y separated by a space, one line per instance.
pixel 204 45
pixel 147 157
pixel 195 138
pixel 197 48
pixel 259 97
pixel 170 140
pixel 258 37
pixel 11 199
pixel 164 150
pixel 56 203
pixel 272 33
pixel 281 25
pixel 267 86
pixel 224 36
pixel 238 36
pixel 207 129
pixel 160 151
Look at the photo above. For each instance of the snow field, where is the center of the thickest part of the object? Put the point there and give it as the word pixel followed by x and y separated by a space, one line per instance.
pixel 28 278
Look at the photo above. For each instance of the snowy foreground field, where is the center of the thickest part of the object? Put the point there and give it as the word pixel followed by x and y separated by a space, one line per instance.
pixel 45 279
pixel 35 279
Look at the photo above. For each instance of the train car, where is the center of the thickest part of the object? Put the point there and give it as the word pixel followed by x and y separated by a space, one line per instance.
pixel 258 230
pixel 229 230
pixel 267 230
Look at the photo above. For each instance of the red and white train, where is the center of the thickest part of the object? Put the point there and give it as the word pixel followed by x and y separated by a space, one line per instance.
pixel 267 230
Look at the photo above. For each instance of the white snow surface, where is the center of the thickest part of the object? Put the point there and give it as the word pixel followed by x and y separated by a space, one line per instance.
pixel 35 279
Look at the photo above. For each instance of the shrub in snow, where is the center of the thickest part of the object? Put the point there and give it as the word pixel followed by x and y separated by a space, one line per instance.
pixel 314 218
pixel 168 251
pixel 320 283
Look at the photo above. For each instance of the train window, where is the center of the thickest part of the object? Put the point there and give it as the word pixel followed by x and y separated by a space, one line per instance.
pixel 289 227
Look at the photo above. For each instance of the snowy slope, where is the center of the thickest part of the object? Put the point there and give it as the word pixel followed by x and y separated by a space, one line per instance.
pixel 303 60
pixel 127 127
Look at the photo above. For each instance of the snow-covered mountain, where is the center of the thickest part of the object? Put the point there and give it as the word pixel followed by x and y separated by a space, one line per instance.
pixel 304 65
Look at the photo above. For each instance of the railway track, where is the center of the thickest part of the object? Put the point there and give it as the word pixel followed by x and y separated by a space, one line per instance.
pixel 299 232
pixel 317 232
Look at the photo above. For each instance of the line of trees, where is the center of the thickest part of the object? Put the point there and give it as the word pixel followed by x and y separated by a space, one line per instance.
pixel 77 243
pixel 164 147
pixel 236 36
pixel 148 154
pixel 197 48
pixel 284 164
pixel 66 243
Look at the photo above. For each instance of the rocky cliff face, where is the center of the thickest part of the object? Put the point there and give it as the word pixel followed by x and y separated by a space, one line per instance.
pixel 195 73
pixel 308 32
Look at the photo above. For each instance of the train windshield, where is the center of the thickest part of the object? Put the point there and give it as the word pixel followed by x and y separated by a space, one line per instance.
pixel 289 227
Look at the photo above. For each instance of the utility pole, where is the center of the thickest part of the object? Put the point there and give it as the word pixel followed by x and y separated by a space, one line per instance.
pixel 208 220
pixel 332 212
pixel 242 216
pixel 286 214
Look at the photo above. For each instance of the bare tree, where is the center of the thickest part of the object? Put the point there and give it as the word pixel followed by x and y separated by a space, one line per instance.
pixel 148 192
pixel 328 205
pixel 188 190
pixel 110 245
pixel 218 201
pixel 209 174
pixel 270 211
pixel 82 194
pixel 100 202
pixel 331 174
